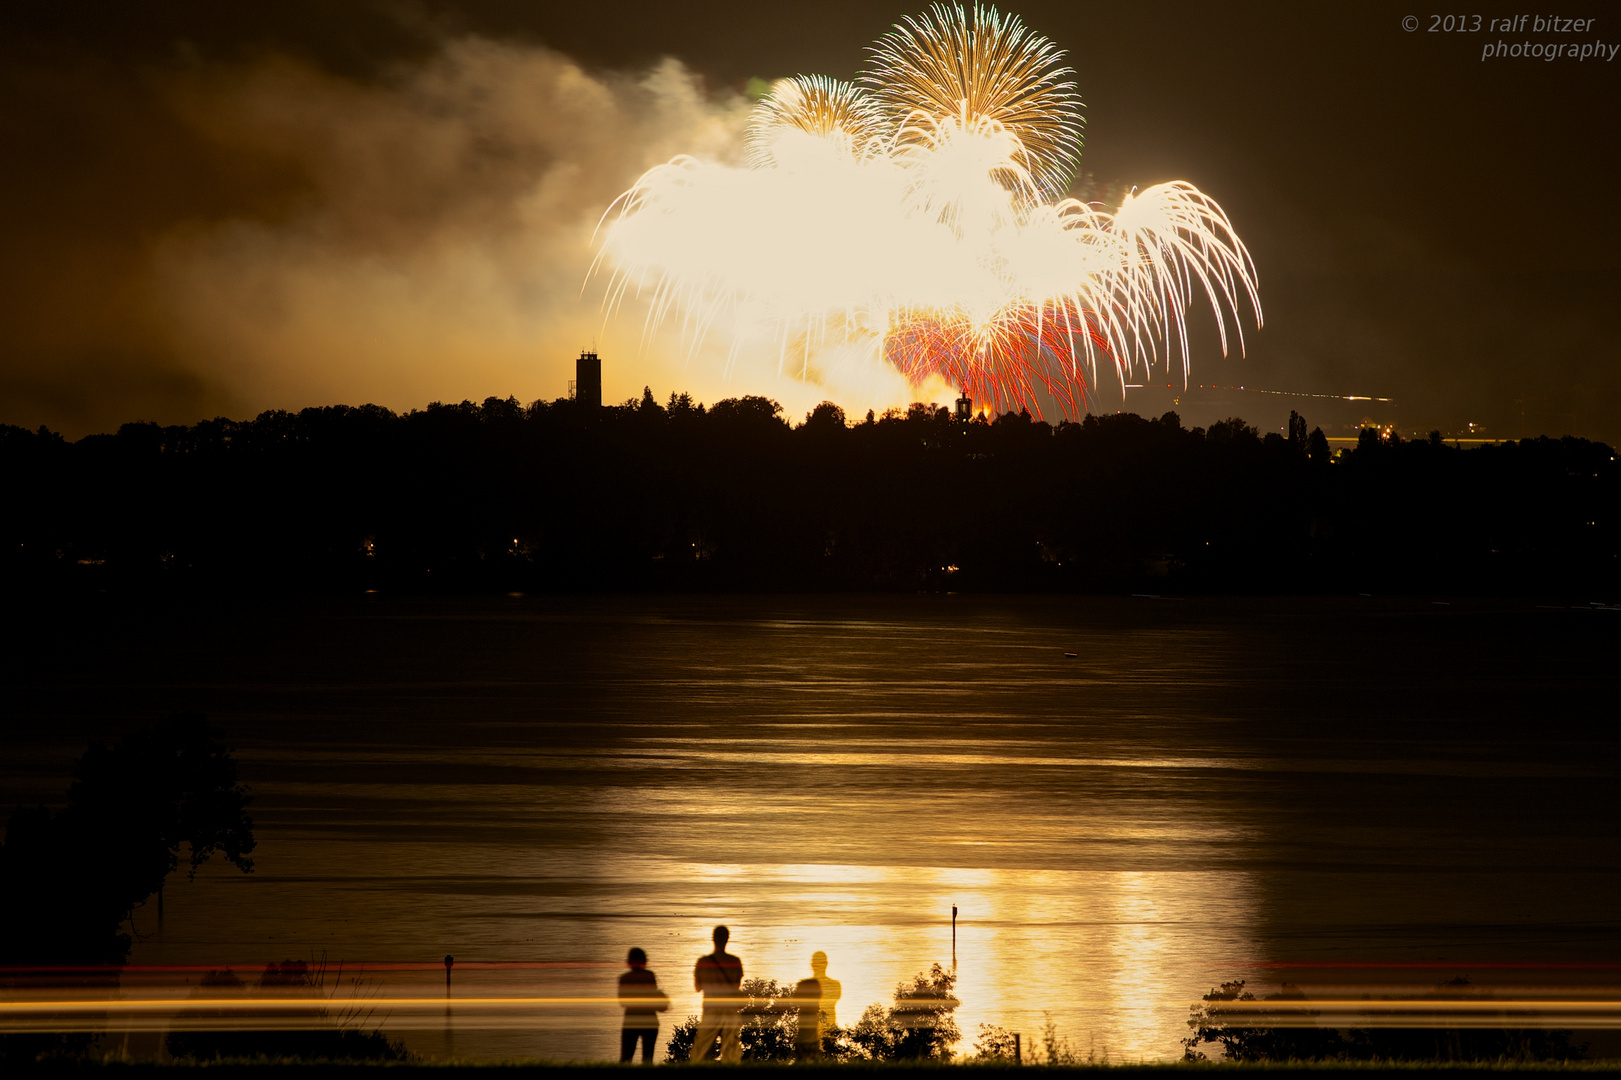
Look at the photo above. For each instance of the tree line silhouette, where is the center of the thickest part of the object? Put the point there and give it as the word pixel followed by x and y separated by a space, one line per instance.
pixel 679 496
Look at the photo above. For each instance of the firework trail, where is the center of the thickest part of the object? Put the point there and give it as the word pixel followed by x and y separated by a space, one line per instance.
pixel 919 216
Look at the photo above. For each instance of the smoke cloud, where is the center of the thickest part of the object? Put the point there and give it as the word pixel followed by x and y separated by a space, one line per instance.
pixel 309 238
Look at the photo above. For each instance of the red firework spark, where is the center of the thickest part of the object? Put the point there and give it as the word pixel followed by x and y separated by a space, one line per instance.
pixel 1001 368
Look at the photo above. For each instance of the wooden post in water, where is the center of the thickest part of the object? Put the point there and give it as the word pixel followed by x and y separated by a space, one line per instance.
pixel 953 939
pixel 1018 1049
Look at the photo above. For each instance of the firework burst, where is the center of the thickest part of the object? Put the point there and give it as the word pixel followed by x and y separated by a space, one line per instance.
pixel 980 66
pixel 919 216
pixel 838 113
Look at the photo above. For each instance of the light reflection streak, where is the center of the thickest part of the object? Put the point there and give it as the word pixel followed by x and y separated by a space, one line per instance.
pixel 299 1014
pixel 838 758
pixel 1545 1011
pixel 612 759
pixel 1138 951
pixel 90 1012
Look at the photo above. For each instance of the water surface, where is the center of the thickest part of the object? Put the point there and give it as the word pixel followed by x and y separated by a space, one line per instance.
pixel 1311 790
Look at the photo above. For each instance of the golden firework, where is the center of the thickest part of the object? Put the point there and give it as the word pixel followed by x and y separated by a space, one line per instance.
pixel 827 109
pixel 979 66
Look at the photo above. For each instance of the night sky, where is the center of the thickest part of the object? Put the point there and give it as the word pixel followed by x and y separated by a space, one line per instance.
pixel 218 209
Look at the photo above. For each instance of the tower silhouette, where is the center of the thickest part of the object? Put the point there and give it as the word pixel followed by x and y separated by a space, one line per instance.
pixel 965 407
pixel 588 379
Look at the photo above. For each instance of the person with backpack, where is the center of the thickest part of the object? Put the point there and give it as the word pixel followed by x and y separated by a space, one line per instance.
pixel 642 1000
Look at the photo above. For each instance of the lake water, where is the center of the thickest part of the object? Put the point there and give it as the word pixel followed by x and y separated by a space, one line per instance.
pixel 1353 791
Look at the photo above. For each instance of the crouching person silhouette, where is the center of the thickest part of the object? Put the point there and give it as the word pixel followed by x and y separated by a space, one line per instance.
pixel 808 1034
pixel 642 999
pixel 718 977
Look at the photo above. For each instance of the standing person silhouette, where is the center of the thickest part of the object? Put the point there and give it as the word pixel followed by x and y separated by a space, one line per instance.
pixel 718 977
pixel 642 999
pixel 831 992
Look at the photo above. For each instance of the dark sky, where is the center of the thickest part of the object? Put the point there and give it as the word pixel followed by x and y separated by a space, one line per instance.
pixel 199 219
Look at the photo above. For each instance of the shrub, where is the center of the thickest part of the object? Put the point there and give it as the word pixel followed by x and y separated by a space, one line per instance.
pixel 994 1043
pixel 1369 1044
pixel 324 1038
pixel 918 1027
pixel 770 1021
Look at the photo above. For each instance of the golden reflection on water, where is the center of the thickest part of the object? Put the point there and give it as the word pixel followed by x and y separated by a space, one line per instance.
pixel 813 784
pixel 1113 958
pixel 1050 925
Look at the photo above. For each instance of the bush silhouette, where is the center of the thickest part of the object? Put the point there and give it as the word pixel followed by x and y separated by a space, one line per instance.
pixel 1256 1044
pixel 315 1034
pixel 770 1020
pixel 919 1026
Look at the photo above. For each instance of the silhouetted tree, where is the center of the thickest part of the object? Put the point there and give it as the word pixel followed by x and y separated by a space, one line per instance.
pixel 1317 447
pixel 1297 430
pixel 750 413
pixel 826 417
pixel 69 881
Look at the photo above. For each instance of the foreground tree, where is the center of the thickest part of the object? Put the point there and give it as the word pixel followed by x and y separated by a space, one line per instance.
pixel 71 880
